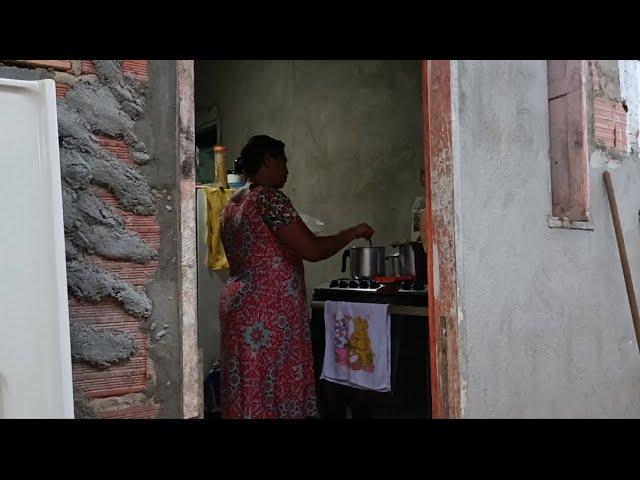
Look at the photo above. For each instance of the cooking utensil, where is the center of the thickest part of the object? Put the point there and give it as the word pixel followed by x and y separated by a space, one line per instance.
pixel 365 262
pixel 411 260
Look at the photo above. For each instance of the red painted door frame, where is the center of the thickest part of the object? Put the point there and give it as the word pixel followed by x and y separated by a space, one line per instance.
pixel 440 239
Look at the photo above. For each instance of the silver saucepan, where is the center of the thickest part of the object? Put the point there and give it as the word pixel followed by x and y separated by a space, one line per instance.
pixel 365 262
pixel 411 260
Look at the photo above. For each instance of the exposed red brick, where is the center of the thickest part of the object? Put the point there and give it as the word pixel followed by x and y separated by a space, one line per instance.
pixel 133 273
pixel 129 377
pixel 61 90
pixel 136 412
pixel 60 65
pixel 87 66
pixel 610 124
pixel 138 69
pixel 144 225
pixel 115 381
pixel 117 148
pixel 107 313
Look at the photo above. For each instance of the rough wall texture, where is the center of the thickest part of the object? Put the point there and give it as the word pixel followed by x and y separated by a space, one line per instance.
pixel 547 330
pixel 353 131
pixel 109 115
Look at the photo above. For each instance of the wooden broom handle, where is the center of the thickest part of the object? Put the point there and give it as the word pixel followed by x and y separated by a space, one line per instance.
pixel 623 255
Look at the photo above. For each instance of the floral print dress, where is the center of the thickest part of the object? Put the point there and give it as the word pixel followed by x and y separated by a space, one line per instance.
pixel 267 364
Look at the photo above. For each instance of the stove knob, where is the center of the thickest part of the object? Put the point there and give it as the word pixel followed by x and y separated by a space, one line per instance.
pixel 406 285
pixel 353 284
pixel 343 284
pixel 363 284
pixel 333 284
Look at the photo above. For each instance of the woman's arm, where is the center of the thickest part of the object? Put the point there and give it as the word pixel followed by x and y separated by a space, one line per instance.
pixel 305 244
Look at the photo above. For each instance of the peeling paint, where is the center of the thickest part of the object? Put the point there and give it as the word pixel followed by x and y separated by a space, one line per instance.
pixel 443 310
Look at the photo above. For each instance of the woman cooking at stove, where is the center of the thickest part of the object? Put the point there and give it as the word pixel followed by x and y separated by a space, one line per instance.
pixel 267 365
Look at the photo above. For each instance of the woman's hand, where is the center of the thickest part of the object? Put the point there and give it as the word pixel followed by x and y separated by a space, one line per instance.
pixel 362 231
pixel 306 245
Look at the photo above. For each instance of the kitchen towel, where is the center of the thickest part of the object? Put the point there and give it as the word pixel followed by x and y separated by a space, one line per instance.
pixel 357 345
pixel 217 199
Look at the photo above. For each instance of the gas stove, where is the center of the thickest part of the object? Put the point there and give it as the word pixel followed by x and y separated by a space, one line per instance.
pixel 365 285
pixel 371 291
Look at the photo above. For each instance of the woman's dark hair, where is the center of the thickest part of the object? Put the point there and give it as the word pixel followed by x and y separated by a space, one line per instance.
pixel 252 154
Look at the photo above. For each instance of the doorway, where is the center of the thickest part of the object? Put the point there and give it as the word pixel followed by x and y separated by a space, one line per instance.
pixel 357 177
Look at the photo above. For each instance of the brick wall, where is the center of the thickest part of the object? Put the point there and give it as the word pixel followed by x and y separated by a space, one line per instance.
pixel 613 128
pixel 125 389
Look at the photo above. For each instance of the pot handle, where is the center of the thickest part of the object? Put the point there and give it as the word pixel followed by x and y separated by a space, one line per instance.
pixel 344 259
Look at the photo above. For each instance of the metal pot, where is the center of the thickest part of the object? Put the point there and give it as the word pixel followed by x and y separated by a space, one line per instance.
pixel 411 260
pixel 365 262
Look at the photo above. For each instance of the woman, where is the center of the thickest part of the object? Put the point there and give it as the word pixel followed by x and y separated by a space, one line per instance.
pixel 267 368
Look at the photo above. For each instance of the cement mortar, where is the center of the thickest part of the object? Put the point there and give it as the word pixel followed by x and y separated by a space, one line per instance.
pixel 82 406
pixel 87 281
pixel 95 227
pixel 101 347
pixel 109 106
pixel 96 103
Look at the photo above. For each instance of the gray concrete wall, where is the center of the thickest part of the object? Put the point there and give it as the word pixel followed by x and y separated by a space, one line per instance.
pixel 158 128
pixel 546 329
pixel 353 131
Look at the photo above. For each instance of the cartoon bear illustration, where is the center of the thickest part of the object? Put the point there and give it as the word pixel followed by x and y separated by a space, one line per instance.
pixel 360 346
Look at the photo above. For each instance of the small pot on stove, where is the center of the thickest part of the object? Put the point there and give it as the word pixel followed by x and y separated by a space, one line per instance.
pixel 365 262
pixel 409 261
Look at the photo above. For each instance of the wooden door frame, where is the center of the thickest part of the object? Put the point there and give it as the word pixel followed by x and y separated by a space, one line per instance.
pixel 192 381
pixel 440 239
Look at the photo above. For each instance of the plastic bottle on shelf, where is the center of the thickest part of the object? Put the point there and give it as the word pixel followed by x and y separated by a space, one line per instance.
pixel 220 167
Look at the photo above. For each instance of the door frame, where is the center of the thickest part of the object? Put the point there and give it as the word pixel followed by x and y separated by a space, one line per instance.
pixel 440 239
pixel 192 381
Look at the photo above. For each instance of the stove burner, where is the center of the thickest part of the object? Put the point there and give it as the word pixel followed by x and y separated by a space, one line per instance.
pixel 413 286
pixel 374 285
pixel 363 284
